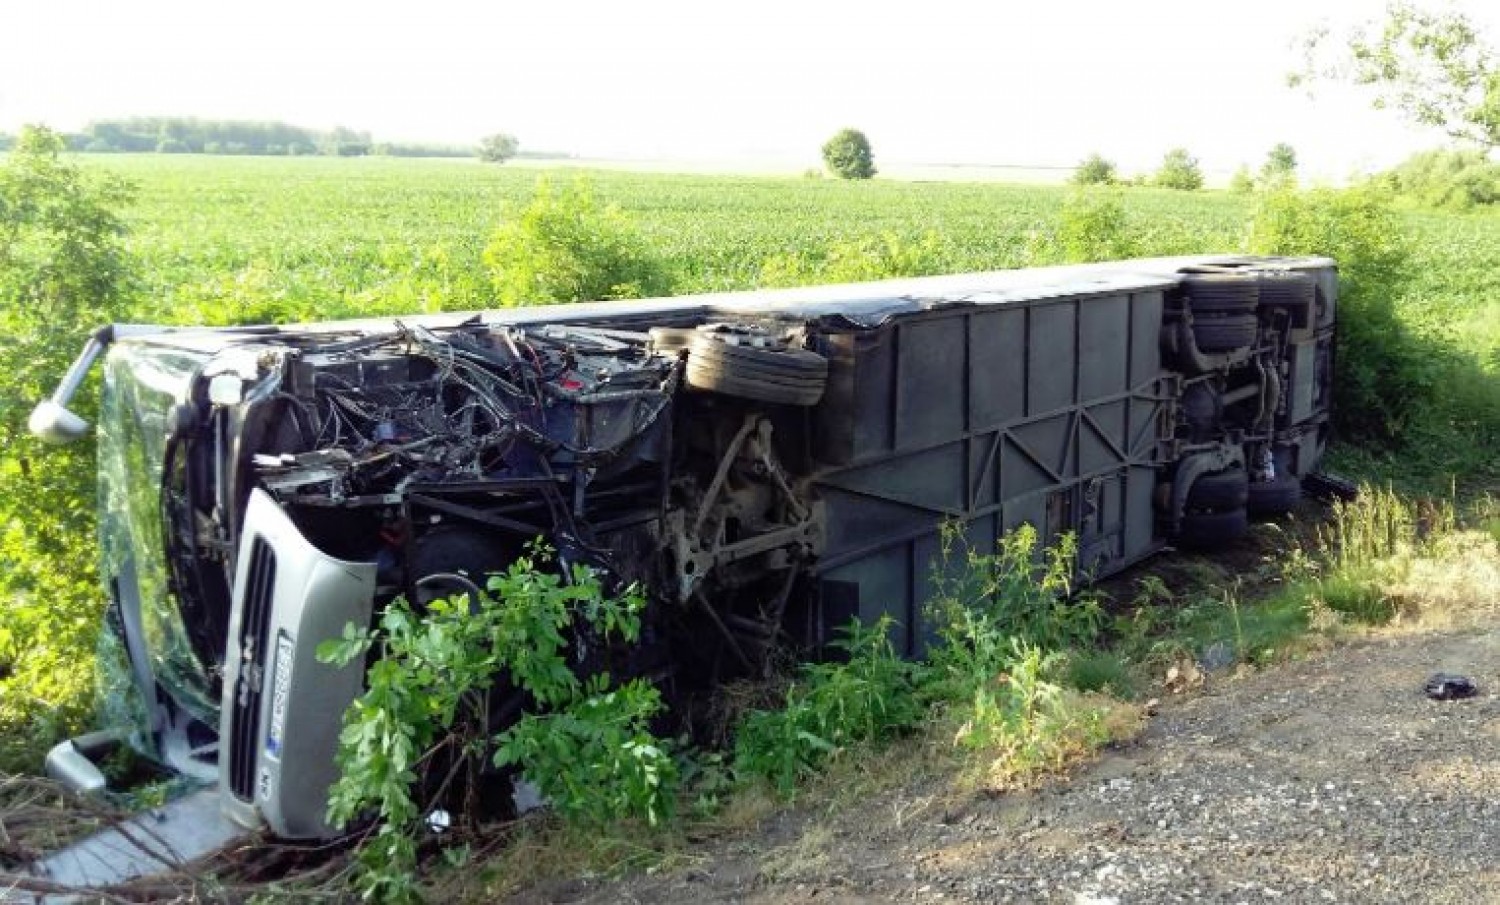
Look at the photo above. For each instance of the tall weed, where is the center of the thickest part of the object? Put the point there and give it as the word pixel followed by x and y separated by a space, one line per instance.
pixel 867 697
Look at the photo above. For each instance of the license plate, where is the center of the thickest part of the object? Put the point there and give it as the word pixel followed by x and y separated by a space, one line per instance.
pixel 281 683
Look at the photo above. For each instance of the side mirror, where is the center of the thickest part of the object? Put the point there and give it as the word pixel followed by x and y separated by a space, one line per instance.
pixel 55 424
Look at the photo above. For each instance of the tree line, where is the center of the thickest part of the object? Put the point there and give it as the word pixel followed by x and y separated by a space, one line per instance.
pixel 190 135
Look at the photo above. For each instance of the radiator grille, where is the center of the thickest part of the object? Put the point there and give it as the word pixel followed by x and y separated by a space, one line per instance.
pixel 254 643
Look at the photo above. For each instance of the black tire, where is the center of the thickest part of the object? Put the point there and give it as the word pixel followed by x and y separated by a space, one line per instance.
pixel 1219 490
pixel 1286 289
pixel 1275 497
pixel 1224 334
pixel 1221 293
pixel 781 375
pixel 1294 293
pixel 1212 529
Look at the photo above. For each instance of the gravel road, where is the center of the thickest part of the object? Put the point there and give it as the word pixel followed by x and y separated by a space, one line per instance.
pixel 1332 779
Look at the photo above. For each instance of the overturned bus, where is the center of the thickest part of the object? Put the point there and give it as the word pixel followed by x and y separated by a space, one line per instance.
pixel 766 464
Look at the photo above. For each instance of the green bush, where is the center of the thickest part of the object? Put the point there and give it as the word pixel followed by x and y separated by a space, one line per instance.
pixel 1094 170
pixel 428 689
pixel 1388 375
pixel 1450 179
pixel 1094 227
pixel 1242 183
pixel 1179 170
pixel 982 601
pixel 566 247
pixel 850 261
pixel 64 269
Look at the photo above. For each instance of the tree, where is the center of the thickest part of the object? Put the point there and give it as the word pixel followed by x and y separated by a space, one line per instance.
pixel 1435 69
pixel 498 148
pixel 1280 165
pixel 1094 170
pixel 1179 170
pixel 848 156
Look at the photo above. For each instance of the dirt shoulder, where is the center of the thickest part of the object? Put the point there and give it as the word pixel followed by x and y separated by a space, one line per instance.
pixel 1331 779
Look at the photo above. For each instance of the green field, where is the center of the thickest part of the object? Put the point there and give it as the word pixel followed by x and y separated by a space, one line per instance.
pixel 329 233
pixel 319 237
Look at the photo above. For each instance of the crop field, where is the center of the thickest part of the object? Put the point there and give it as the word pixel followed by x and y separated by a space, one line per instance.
pixel 272 238
pixel 327 235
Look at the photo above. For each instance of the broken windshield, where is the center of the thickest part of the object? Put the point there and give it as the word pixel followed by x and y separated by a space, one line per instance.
pixel 143 384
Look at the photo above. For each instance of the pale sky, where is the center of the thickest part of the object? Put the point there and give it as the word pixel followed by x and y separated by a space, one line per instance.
pixel 1039 83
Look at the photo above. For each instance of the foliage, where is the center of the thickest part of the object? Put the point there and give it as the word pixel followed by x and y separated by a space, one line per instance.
pixel 566 247
pixel 498 148
pixel 1242 183
pixel 1094 227
pixel 1094 170
pixel 1003 621
pixel 867 697
pixel 1179 170
pixel 595 759
pixel 1280 167
pixel 1387 374
pixel 1448 179
pixel 982 600
pixel 848 155
pixel 1435 68
pixel 427 701
pixel 872 258
pixel 63 269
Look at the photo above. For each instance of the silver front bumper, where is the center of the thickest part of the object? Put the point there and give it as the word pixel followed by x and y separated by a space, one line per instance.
pixel 282 709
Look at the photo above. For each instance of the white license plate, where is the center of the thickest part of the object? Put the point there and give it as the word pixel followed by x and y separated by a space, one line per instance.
pixel 281 683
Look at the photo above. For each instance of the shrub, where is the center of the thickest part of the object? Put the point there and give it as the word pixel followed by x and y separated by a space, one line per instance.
pixel 848 155
pixel 1094 170
pixel 1387 375
pixel 1450 179
pixel 1179 170
pixel 63 269
pixel 983 600
pixel 428 690
pixel 1094 227
pixel 1242 183
pixel 566 247
pixel 853 260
